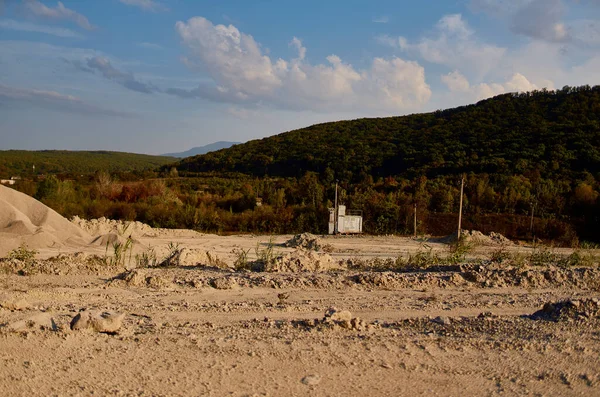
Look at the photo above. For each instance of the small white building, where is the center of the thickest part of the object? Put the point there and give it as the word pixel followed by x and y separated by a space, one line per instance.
pixel 348 222
pixel 8 181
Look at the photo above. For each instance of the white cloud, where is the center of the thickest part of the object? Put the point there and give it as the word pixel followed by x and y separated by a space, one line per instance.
pixel 146 5
pixel 453 44
pixel 243 73
pixel 458 84
pixel 455 81
pixel 381 19
pixel 30 27
pixel 36 8
pixel 296 42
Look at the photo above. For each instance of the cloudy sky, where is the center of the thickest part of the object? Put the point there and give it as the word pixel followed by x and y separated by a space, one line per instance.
pixel 156 76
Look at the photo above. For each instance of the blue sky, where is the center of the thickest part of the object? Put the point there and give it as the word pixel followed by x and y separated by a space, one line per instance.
pixel 156 76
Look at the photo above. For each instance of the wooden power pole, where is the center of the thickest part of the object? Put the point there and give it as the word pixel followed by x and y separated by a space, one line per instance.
pixel 335 221
pixel 415 220
pixel 462 187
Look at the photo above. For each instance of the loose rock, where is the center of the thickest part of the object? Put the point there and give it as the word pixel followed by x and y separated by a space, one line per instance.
pixel 311 380
pixel 104 322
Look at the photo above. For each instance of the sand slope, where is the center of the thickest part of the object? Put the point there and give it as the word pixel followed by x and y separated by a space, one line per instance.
pixel 24 220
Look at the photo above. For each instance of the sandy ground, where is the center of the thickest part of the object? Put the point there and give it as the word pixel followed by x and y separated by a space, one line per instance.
pixel 194 329
pixel 328 319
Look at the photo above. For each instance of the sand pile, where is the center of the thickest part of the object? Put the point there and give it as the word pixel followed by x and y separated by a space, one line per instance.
pixel 476 237
pixel 24 220
pixel 336 318
pixel 63 264
pixel 304 240
pixel 569 310
pixel 302 261
pixel 103 226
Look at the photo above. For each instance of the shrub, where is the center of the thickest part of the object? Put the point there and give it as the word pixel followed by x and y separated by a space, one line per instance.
pixel 22 254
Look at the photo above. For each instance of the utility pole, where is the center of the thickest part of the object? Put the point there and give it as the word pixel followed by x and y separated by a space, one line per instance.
pixel 462 187
pixel 415 220
pixel 335 221
pixel 531 223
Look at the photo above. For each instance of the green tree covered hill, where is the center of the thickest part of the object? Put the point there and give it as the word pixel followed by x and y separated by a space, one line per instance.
pixel 553 133
pixel 21 162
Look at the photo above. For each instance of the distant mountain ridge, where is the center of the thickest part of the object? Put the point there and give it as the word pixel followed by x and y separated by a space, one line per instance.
pixel 22 162
pixel 203 149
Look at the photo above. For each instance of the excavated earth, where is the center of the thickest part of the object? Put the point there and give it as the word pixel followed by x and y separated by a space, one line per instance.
pixel 315 324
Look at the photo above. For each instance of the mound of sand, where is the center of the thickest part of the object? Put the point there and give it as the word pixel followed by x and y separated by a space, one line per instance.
pixel 24 220
pixel 566 310
pixel 302 261
pixel 476 237
pixel 105 227
pixel 304 240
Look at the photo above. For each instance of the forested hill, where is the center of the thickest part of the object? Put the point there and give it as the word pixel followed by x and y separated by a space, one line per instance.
pixel 555 133
pixel 21 162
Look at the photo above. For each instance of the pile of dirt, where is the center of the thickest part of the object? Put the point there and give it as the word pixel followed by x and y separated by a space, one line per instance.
pixel 475 236
pixel 487 276
pixel 26 221
pixel 145 278
pixel 103 226
pixel 63 264
pixel 302 261
pixel 567 310
pixel 305 240
pixel 336 318
pixel 478 238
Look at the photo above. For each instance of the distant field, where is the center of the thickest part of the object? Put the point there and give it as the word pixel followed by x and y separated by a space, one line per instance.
pixel 21 162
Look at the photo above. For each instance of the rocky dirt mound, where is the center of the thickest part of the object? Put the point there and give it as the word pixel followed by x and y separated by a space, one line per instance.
pixel 26 221
pixel 336 318
pixel 530 276
pixel 305 240
pixel 63 264
pixel 302 261
pixel 566 310
pixel 103 226
pixel 478 238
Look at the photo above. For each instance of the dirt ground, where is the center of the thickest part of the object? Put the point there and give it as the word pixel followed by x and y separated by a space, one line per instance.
pixel 201 328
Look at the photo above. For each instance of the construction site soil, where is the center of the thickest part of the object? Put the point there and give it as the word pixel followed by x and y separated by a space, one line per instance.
pixel 180 313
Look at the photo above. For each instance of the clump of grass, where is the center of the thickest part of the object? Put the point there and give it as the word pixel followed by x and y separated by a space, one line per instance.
pixel 543 256
pixel 119 252
pixel 215 261
pixel 241 261
pixel 578 259
pixel 23 254
pixel 501 255
pixel 587 245
pixel 173 256
pixel 147 258
pixel 458 252
pixel 266 256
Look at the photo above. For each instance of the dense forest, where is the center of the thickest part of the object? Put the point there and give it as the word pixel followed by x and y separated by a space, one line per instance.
pixel 531 164
pixel 555 133
pixel 21 162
